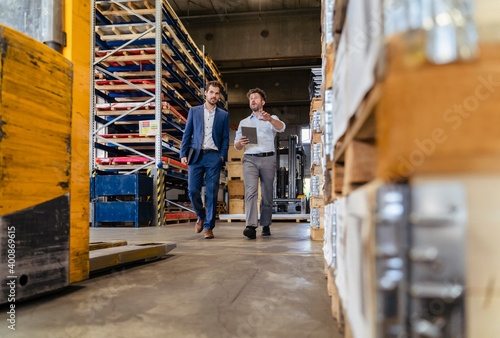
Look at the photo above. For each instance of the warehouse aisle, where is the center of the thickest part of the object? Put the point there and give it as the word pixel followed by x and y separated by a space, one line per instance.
pixel 225 287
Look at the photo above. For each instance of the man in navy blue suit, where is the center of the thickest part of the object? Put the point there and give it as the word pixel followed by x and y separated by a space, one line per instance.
pixel 207 134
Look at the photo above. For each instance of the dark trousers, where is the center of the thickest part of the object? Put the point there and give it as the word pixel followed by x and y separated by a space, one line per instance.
pixel 208 164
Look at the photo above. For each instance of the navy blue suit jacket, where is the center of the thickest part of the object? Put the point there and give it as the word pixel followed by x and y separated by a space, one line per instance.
pixel 193 134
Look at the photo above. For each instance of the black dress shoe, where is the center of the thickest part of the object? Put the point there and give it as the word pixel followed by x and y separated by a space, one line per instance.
pixel 266 231
pixel 250 232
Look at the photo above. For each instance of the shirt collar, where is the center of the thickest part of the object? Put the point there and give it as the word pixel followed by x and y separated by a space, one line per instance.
pixel 252 116
pixel 209 111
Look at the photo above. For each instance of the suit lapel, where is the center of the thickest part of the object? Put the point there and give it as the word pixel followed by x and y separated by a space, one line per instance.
pixel 201 118
pixel 214 127
pixel 216 120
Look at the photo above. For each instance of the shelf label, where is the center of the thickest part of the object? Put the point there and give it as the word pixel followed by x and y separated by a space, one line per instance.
pixel 148 128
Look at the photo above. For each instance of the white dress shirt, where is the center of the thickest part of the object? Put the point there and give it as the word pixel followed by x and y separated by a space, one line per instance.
pixel 208 141
pixel 265 134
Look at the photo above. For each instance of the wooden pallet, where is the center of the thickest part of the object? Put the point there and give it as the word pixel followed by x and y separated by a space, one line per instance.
pixel 359 165
pixel 117 109
pixel 137 112
pixel 317 202
pixel 442 131
pixel 222 208
pixel 133 29
pixel 316 137
pixel 334 183
pixel 237 205
pixel 316 170
pixel 136 138
pixel 180 217
pixel 136 99
pixel 316 104
pixel 236 189
pixel 145 56
pixel 167 162
pixel 328 63
pixel 234 155
pixel 180 220
pixel 317 234
pixel 235 171
pixel 429 136
pixel 122 87
pixel 117 14
pixel 112 33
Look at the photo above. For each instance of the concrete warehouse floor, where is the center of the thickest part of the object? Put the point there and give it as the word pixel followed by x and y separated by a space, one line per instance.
pixel 225 287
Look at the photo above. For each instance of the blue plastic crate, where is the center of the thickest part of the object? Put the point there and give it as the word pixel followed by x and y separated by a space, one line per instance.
pixel 124 212
pixel 116 185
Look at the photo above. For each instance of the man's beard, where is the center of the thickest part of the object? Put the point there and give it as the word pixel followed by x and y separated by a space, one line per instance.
pixel 254 109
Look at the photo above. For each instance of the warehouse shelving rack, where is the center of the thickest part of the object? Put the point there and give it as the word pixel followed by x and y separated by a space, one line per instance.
pixel 146 69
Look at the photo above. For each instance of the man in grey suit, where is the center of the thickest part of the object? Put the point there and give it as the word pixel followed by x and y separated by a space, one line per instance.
pixel 207 135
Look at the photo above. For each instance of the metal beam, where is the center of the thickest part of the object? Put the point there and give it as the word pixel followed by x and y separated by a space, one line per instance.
pixel 246 15
pixel 266 69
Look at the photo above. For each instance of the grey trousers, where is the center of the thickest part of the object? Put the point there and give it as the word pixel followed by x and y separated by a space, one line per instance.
pixel 254 168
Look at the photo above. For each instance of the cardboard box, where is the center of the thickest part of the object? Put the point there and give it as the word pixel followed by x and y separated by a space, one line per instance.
pixel 236 206
pixel 236 189
pixel 235 170
pixel 234 155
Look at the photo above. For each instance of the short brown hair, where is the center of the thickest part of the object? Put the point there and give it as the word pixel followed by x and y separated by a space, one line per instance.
pixel 214 84
pixel 258 91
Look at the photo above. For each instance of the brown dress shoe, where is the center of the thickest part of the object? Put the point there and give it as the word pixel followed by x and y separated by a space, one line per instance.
pixel 199 225
pixel 209 234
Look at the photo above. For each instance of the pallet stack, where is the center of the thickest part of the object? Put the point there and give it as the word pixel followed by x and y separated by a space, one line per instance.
pixel 316 199
pixel 222 208
pixel 175 214
pixel 235 184
pixel 412 168
pixel 144 84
